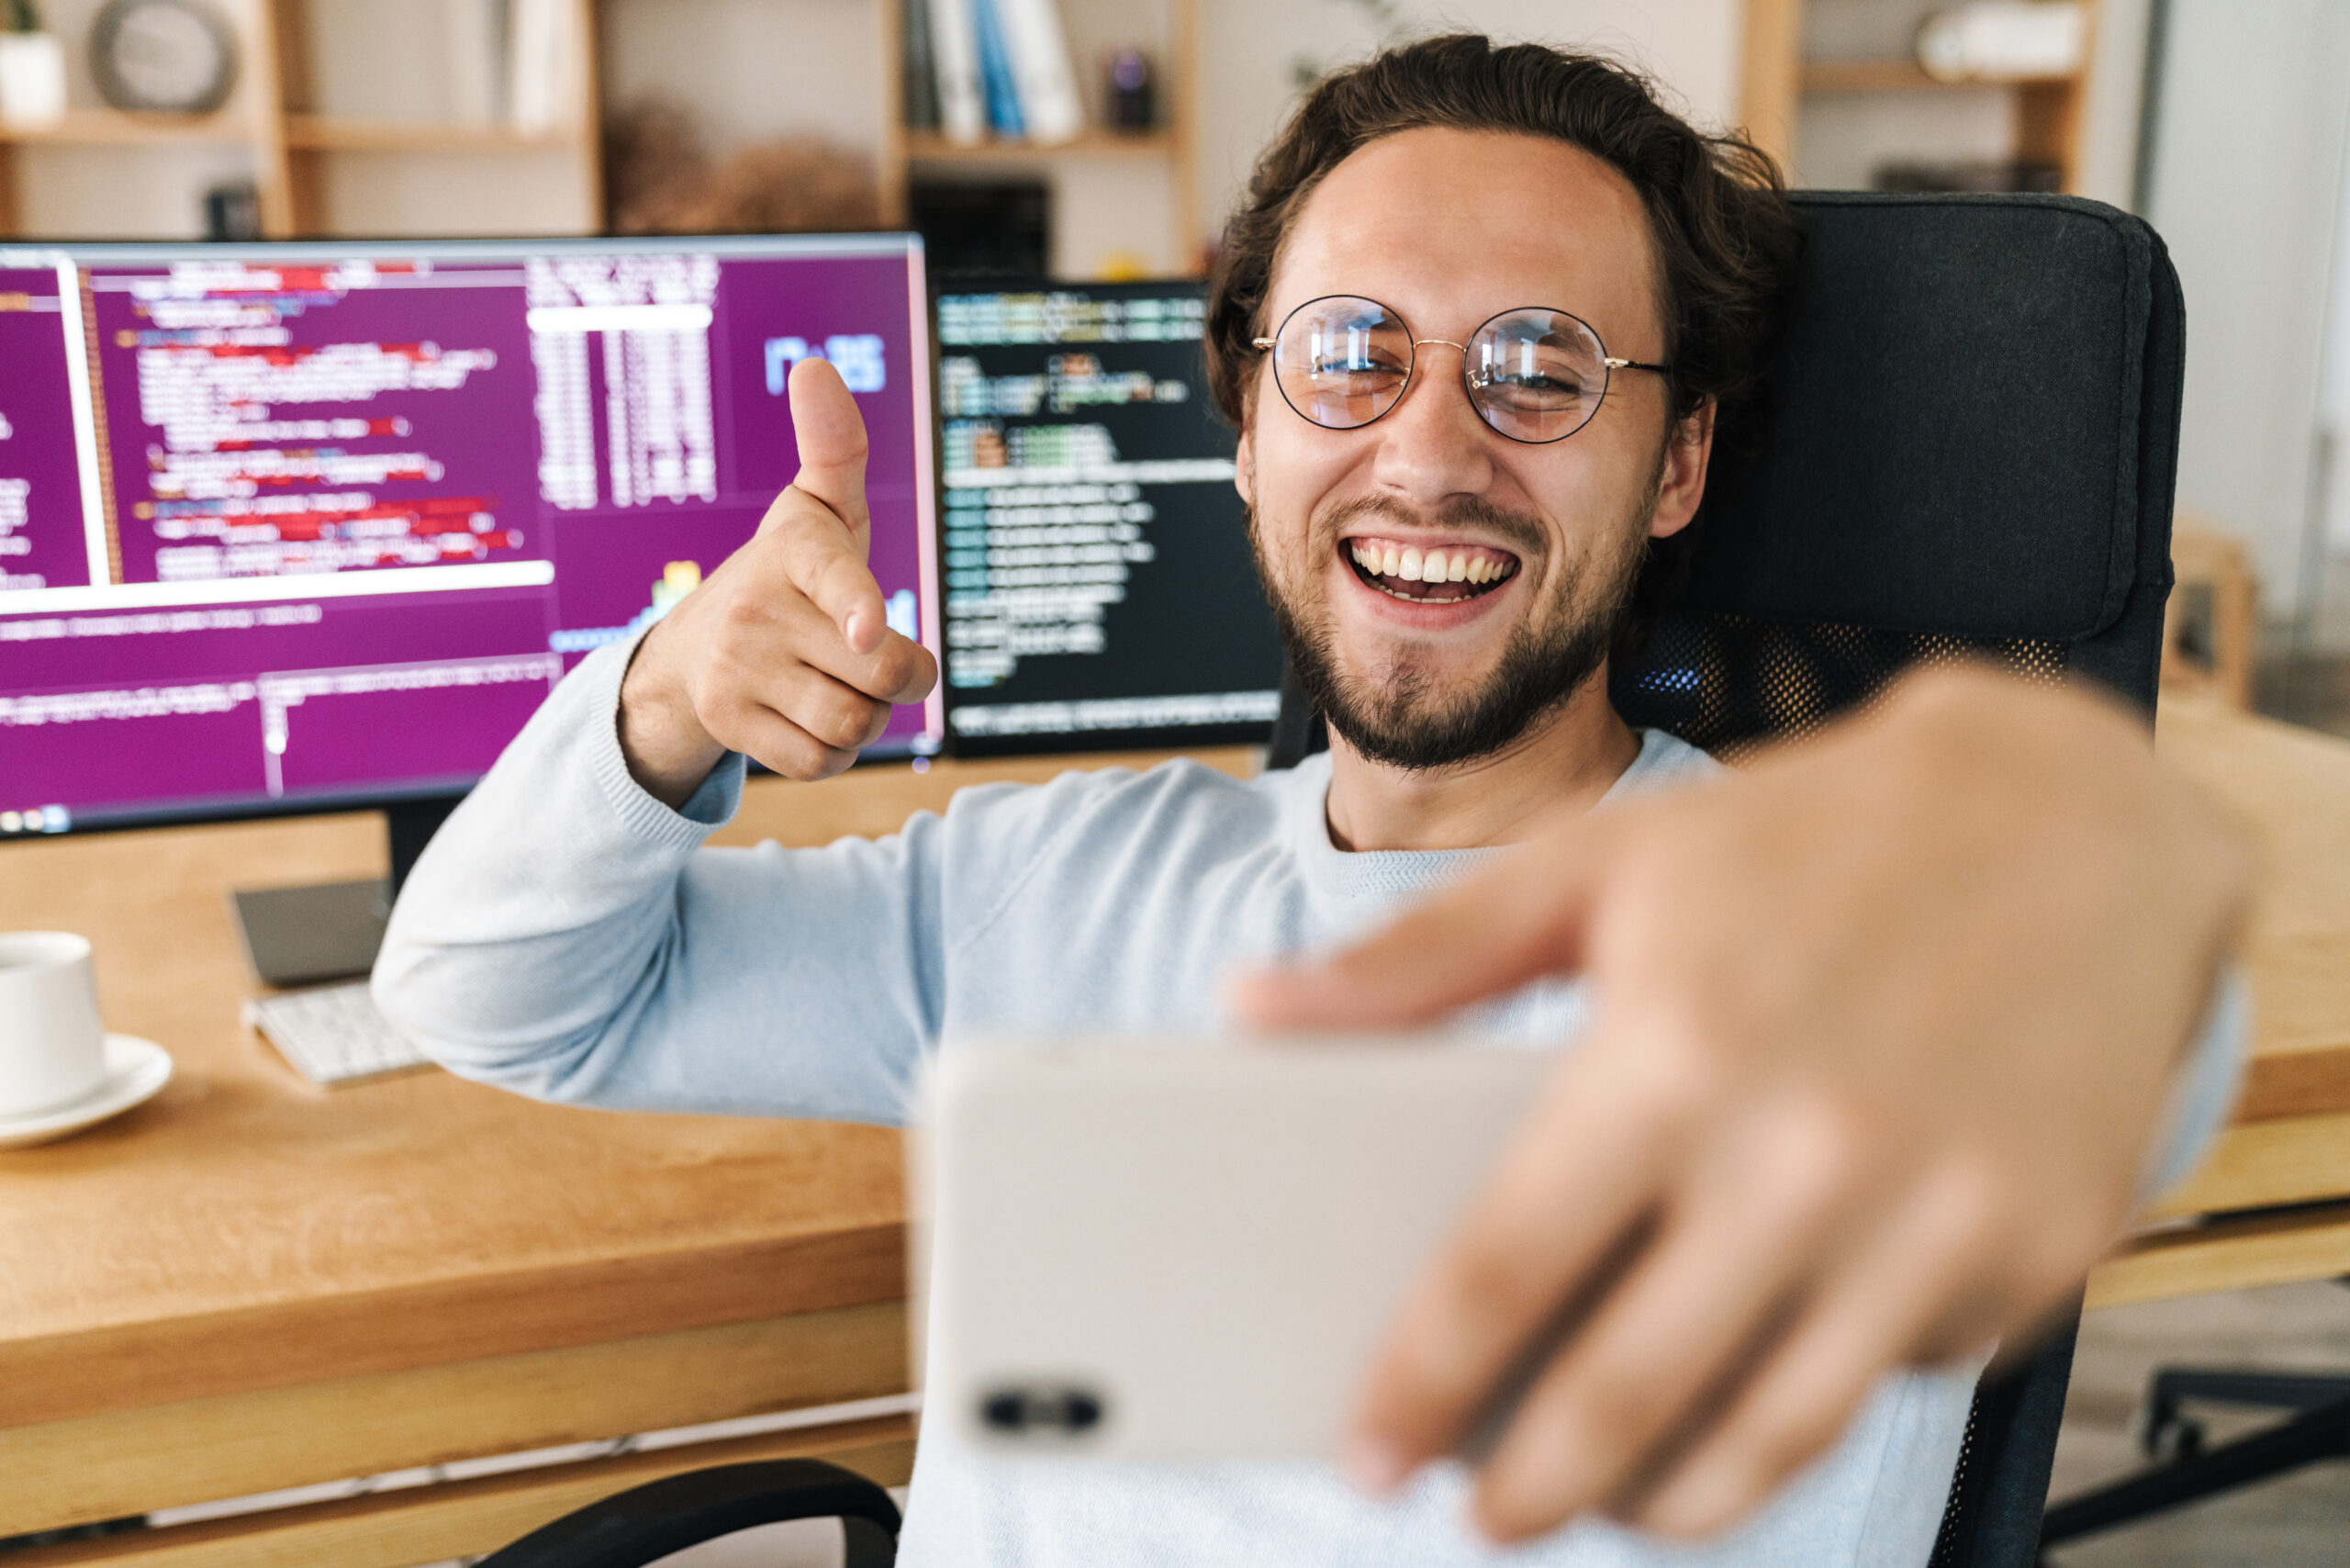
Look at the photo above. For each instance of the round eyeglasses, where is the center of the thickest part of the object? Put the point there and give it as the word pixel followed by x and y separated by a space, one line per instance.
pixel 1533 374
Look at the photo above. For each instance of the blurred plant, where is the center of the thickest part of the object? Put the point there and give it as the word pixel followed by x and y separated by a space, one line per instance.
pixel 23 17
pixel 659 179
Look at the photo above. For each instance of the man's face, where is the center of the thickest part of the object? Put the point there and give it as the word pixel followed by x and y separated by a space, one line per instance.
pixel 1448 229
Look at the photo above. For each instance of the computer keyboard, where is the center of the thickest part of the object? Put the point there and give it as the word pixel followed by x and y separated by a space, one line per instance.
pixel 332 1035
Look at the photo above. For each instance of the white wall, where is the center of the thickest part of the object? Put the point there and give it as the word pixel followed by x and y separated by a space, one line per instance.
pixel 1248 48
pixel 2248 178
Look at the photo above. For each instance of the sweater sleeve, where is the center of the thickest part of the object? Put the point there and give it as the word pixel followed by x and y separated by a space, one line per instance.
pixel 2204 1087
pixel 565 935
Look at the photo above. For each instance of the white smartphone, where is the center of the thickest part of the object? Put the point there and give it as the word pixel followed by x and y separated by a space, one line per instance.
pixel 1185 1249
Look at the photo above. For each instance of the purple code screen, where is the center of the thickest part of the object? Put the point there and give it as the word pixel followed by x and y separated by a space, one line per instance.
pixel 280 526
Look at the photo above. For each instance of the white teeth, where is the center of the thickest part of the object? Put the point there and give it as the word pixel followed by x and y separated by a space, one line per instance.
pixel 1412 564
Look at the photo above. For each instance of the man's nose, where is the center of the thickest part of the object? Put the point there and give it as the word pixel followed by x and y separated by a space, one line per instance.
pixel 1432 444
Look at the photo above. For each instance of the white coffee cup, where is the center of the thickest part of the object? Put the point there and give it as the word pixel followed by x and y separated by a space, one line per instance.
pixel 53 1046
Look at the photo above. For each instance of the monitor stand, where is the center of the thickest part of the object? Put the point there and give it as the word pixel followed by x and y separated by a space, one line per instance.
pixel 330 930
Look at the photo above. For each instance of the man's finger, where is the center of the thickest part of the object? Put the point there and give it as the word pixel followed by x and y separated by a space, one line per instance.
pixel 1519 1263
pixel 831 436
pixel 896 669
pixel 1869 1319
pixel 1666 1342
pixel 759 731
pixel 829 570
pixel 1488 934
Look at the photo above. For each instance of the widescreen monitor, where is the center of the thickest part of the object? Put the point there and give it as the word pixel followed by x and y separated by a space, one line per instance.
pixel 1098 590
pixel 291 526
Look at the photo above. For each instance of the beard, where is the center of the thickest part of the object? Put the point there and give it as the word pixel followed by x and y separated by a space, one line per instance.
pixel 1401 716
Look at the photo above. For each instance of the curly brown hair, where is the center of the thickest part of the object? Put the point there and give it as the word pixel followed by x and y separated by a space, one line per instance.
pixel 1725 238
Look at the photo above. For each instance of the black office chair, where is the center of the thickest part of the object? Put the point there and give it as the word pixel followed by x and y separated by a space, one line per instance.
pixel 1965 451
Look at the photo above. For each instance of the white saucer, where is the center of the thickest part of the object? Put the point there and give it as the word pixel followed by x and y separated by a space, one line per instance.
pixel 136 1070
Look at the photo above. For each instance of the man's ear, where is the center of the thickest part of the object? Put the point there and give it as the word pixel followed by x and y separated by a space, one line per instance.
pixel 1681 483
pixel 1244 458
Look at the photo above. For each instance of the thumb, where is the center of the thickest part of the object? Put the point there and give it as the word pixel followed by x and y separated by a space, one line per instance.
pixel 831 434
pixel 1520 919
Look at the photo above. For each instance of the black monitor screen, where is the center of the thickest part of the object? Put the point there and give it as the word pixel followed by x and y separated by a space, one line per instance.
pixel 292 525
pixel 1097 585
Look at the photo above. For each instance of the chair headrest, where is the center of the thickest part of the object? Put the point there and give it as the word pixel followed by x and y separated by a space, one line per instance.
pixel 1949 439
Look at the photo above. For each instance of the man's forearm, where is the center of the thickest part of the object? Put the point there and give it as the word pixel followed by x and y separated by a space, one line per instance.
pixel 530 924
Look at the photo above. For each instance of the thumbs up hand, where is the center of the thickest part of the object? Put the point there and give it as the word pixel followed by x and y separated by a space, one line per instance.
pixel 784 653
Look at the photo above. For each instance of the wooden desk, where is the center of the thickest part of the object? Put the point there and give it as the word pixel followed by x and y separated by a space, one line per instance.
pixel 247 1284
pixel 2290 1140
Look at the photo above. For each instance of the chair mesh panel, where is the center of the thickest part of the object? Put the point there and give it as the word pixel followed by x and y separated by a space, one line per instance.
pixel 1729 684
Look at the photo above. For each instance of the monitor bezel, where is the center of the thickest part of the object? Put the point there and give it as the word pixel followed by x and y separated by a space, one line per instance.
pixel 440 793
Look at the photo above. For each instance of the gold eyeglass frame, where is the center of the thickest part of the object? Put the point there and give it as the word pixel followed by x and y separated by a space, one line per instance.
pixel 1411 371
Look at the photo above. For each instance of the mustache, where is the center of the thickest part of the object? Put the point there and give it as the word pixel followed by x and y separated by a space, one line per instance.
pixel 1465 513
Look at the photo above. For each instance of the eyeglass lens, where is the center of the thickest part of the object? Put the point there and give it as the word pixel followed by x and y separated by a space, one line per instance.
pixel 1532 374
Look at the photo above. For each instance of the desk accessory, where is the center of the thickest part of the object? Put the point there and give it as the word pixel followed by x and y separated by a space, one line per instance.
pixel 52 1043
pixel 135 1072
pixel 333 1034
pixel 32 71
pixel 60 1070
pixel 168 56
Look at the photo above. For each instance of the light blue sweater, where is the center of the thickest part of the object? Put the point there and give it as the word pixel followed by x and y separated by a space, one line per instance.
pixel 567 936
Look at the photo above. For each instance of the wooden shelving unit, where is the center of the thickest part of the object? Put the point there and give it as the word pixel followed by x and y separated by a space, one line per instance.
pixel 275 113
pixel 297 148
pixel 1777 78
pixel 929 147
pixel 1900 76
pixel 905 151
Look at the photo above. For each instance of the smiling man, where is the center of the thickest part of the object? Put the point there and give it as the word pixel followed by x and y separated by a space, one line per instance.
pixel 1473 320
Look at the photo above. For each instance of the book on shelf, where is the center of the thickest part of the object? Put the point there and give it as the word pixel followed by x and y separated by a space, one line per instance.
pixel 1040 70
pixel 995 72
pixel 921 68
pixel 953 43
pixel 1000 66
pixel 541 61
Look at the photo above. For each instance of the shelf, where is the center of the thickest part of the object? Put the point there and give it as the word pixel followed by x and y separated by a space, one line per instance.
pixel 116 128
pixel 341 134
pixel 929 146
pixel 1897 75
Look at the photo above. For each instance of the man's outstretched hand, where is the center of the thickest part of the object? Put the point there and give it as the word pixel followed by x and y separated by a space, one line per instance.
pixel 1881 1029
pixel 785 654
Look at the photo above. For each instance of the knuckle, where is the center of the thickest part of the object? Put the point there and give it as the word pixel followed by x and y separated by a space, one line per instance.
pixel 895 665
pixel 844 722
pixel 1615 1403
pixel 739 614
pixel 811 760
pixel 1683 1071
pixel 1819 1146
pixel 1490 1284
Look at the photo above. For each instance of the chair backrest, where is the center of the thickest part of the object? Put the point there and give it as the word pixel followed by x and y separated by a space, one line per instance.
pixel 1964 448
